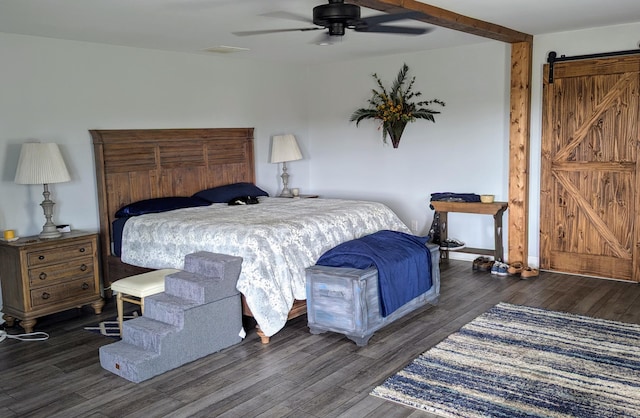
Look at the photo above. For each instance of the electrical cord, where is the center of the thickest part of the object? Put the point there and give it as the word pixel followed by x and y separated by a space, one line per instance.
pixel 32 336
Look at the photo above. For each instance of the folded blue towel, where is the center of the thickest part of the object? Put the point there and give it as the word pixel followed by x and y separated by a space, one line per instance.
pixel 455 197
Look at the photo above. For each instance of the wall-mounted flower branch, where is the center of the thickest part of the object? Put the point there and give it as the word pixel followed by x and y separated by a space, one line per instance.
pixel 394 109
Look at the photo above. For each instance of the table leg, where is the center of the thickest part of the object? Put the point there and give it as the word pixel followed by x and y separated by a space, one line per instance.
pixel 10 320
pixel 97 306
pixel 497 221
pixel 28 325
pixel 120 308
pixel 444 255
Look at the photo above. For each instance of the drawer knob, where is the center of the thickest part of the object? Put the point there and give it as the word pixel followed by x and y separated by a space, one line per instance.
pixel 85 286
pixel 43 276
pixel 45 295
pixel 83 267
pixel 41 257
pixel 82 250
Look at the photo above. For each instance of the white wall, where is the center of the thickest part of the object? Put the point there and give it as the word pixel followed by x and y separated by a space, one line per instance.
pixel 465 151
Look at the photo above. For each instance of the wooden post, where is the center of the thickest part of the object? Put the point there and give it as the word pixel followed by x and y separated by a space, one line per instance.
pixel 520 117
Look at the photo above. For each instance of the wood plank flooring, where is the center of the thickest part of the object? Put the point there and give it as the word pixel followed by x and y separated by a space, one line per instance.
pixel 296 375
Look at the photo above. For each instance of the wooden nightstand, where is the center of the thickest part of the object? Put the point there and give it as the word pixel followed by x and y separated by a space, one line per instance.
pixel 44 276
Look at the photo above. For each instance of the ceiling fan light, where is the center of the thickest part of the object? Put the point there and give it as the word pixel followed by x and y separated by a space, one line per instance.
pixel 329 40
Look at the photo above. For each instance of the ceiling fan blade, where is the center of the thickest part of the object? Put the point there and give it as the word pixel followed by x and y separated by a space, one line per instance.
pixel 400 30
pixel 289 16
pixel 267 31
pixel 377 19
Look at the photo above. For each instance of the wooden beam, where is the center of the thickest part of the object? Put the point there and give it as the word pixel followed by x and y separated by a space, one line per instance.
pixel 447 19
pixel 520 120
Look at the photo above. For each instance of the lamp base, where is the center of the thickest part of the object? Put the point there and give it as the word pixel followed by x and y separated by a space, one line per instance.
pixel 49 229
pixel 48 233
pixel 285 182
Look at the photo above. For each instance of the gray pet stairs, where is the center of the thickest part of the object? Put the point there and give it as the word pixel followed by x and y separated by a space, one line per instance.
pixel 198 314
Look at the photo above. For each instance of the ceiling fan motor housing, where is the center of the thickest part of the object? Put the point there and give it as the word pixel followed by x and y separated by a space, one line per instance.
pixel 336 16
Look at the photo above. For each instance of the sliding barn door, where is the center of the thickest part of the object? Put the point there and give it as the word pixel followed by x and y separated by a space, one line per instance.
pixel 590 182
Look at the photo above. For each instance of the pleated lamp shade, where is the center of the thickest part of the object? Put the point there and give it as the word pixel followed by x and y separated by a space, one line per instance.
pixel 285 148
pixel 41 163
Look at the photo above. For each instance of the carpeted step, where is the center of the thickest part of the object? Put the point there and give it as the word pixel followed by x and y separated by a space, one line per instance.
pixel 167 308
pixel 211 264
pixel 225 268
pixel 128 361
pixel 145 333
pixel 198 288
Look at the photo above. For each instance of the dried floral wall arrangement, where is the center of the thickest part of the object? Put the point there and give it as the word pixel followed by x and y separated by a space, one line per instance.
pixel 394 108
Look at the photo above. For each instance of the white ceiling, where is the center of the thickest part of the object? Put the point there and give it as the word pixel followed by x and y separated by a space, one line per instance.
pixel 195 25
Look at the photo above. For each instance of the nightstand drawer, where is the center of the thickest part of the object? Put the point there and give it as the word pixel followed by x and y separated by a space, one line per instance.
pixel 62 253
pixel 58 293
pixel 74 269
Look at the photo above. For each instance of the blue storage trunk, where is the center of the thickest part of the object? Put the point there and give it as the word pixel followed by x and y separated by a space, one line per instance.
pixel 346 300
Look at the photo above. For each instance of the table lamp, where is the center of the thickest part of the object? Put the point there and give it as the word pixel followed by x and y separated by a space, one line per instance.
pixel 42 163
pixel 285 148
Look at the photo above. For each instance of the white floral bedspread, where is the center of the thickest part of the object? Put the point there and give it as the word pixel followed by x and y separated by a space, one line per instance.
pixel 277 239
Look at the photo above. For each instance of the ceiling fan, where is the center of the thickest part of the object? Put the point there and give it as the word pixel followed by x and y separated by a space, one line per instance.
pixel 336 16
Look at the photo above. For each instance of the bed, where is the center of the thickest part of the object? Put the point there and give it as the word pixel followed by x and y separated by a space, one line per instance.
pixel 136 165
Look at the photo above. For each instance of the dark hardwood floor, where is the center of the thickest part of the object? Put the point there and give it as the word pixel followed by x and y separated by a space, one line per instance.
pixel 296 375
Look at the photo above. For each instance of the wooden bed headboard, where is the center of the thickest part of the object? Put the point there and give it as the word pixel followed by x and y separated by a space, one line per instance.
pixel 138 164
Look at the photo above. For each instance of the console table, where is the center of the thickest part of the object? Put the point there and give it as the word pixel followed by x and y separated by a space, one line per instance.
pixel 496 209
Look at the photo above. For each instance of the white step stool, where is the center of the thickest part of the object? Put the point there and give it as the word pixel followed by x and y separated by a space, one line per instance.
pixel 139 286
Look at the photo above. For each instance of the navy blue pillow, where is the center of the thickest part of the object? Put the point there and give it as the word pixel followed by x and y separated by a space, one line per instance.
pixel 159 204
pixel 223 194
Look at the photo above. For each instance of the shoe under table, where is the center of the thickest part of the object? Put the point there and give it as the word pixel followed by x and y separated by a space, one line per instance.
pixel 134 289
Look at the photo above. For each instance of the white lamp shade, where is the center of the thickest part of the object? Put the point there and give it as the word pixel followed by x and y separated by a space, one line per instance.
pixel 285 148
pixel 41 163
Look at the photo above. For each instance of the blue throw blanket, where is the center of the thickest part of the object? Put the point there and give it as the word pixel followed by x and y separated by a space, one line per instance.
pixel 403 262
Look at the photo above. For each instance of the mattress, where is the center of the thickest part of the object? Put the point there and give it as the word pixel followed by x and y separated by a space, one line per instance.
pixel 117 227
pixel 277 239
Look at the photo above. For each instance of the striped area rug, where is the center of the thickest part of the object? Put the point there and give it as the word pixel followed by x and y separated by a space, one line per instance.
pixel 517 361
